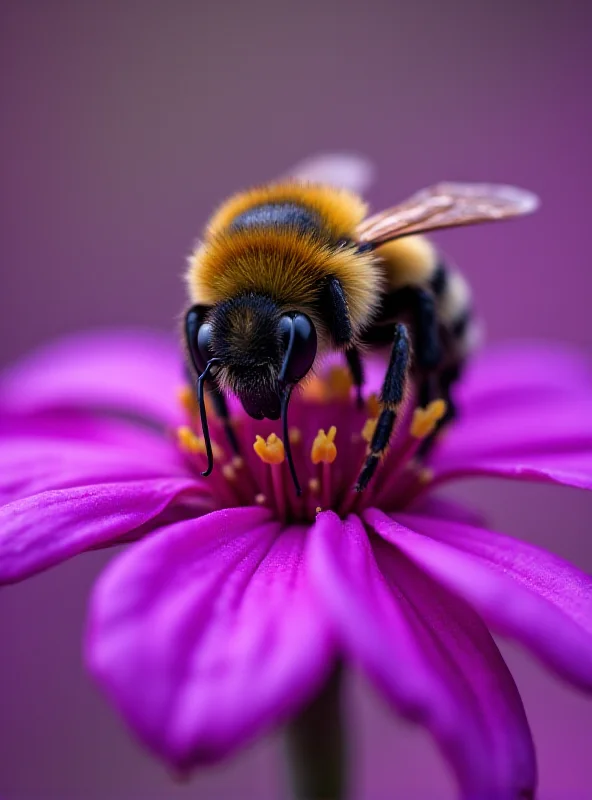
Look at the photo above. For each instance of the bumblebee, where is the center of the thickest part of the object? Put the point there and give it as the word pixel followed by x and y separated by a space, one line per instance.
pixel 294 268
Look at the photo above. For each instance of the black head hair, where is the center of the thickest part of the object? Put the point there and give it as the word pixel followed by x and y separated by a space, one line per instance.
pixel 245 336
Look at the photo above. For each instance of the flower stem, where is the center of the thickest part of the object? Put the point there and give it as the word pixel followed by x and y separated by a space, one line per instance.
pixel 315 744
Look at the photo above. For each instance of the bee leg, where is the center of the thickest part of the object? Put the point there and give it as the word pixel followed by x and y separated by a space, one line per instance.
pixel 420 305
pixel 391 397
pixel 341 331
pixel 338 318
pixel 221 409
pixel 356 368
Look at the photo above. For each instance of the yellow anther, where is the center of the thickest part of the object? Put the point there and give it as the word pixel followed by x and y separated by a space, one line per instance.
pixel 323 447
pixel 314 485
pixel 339 381
pixel 260 499
pixel 315 390
pixel 191 443
pixel 295 435
pixel 186 397
pixel 270 451
pixel 368 430
pixel 318 510
pixel 229 472
pixel 425 419
pixel 238 462
pixel 373 405
pixel 188 441
pixel 426 475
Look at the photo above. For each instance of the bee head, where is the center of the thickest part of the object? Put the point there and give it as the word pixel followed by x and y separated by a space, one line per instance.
pixel 260 349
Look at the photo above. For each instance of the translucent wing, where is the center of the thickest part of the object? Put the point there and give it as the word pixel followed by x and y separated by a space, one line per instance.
pixel 342 170
pixel 447 205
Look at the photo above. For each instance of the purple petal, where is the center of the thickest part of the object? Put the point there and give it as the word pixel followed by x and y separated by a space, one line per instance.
pixel 206 633
pixel 48 528
pixel 566 469
pixel 430 654
pixel 563 426
pixel 135 373
pixel 31 465
pixel 432 506
pixel 524 373
pixel 520 590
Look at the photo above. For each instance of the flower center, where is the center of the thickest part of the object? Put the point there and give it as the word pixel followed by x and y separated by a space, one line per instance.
pixel 329 439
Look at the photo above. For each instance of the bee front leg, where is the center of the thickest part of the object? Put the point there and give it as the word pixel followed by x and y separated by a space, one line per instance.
pixel 341 331
pixel 391 397
pixel 356 368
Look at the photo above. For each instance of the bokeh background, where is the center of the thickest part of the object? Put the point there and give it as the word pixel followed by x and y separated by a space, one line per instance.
pixel 123 123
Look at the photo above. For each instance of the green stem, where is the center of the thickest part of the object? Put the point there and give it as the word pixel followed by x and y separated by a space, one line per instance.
pixel 315 743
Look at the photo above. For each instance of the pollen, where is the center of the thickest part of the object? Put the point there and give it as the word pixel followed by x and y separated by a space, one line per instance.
pixel 295 435
pixel 425 419
pixel 314 485
pixel 187 399
pixel 339 382
pixel 189 442
pixel 260 499
pixel 238 462
pixel 368 429
pixel 373 405
pixel 315 390
pixel 323 447
pixel 318 510
pixel 193 444
pixel 270 451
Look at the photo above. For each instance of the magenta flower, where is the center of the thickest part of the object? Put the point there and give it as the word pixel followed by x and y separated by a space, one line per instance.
pixel 239 600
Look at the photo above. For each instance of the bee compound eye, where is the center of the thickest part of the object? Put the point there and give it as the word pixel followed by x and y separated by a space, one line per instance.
pixel 204 344
pixel 299 338
pixel 197 334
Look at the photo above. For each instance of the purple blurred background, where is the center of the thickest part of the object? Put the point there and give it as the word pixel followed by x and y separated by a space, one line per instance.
pixel 123 124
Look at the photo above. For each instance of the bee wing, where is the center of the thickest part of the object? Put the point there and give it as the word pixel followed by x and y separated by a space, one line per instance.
pixel 447 205
pixel 342 170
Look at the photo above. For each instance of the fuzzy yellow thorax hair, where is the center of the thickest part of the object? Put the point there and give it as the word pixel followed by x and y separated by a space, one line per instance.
pixel 285 263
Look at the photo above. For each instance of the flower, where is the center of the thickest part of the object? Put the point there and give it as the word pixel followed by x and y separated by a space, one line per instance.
pixel 237 600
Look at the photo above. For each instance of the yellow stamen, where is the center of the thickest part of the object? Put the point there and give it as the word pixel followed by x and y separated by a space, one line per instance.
pixel 318 510
pixel 323 447
pixel 186 397
pixel 229 472
pixel 315 390
pixel 189 442
pixel 238 462
pixel 270 451
pixel 425 419
pixel 260 499
pixel 314 485
pixel 295 435
pixel 373 405
pixel 339 381
pixel 368 430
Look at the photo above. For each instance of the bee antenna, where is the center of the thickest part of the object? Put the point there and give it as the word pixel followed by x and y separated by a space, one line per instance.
pixel 203 415
pixel 286 437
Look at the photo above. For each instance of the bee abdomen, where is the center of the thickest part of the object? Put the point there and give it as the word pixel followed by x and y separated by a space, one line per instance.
pixel 454 307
